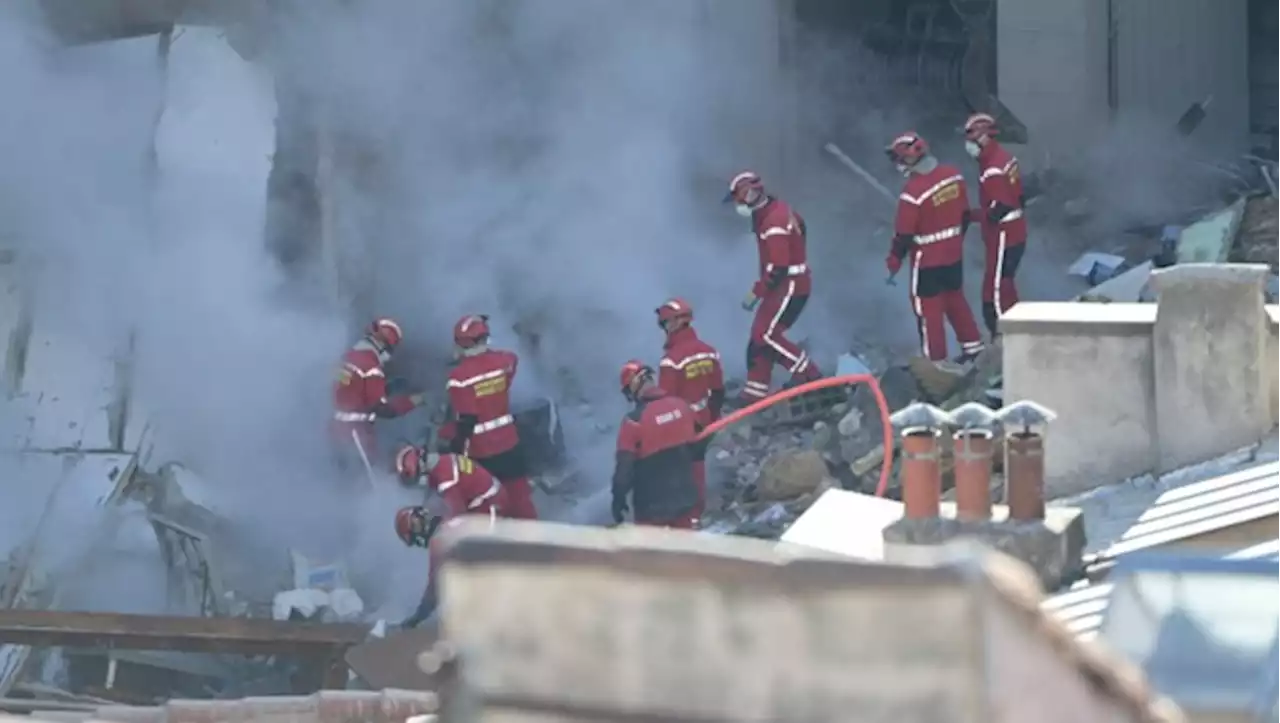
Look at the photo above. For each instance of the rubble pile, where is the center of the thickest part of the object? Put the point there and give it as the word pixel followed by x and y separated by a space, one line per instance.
pixel 1256 242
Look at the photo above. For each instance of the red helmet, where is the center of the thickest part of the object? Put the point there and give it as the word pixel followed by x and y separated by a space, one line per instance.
pixel 633 373
pixel 745 188
pixel 412 463
pixel 386 333
pixel 411 525
pixel 471 330
pixel 979 126
pixel 907 149
pixel 672 310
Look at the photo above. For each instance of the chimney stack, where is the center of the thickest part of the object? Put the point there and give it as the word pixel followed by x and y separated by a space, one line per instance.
pixel 1025 424
pixel 973 442
pixel 920 426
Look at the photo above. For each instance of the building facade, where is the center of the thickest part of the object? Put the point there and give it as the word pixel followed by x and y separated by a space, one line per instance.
pixel 1070 68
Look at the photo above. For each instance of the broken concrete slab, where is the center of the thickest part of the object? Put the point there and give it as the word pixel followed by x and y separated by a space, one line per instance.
pixel 1130 286
pixel 1209 240
pixel 1096 266
pixel 1053 548
pixel 846 523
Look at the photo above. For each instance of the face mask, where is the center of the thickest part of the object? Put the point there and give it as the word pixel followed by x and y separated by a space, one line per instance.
pixel 384 356
pixel 903 169
pixel 972 148
pixel 743 210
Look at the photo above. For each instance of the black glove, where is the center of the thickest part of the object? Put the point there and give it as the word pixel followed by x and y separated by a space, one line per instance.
pixel 619 509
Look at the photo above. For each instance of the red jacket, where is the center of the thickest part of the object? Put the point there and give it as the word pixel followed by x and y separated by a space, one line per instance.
pixel 1000 195
pixel 480 395
pixel 655 456
pixel 780 237
pixel 360 393
pixel 690 369
pixel 933 215
pixel 466 487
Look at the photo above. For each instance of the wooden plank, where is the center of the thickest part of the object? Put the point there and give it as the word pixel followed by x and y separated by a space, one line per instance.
pixel 249 636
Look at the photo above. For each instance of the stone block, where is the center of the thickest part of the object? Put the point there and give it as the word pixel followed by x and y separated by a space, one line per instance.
pixel 790 474
pixel 1053 548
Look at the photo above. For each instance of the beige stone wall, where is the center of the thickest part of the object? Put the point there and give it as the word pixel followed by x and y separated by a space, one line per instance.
pixel 1148 387
pixel 594 624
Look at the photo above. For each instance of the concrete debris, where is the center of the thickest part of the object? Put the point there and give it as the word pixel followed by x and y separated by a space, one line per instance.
pixel 1209 240
pixel 309 575
pixel 1256 242
pixel 790 474
pixel 339 605
pixel 1130 286
pixel 1096 266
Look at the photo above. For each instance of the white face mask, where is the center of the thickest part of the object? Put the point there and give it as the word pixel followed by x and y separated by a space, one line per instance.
pixel 384 356
pixel 903 169
pixel 972 148
pixel 743 210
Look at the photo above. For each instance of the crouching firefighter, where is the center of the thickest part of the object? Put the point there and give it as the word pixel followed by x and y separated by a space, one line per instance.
pixel 1004 230
pixel 360 393
pixel 781 290
pixel 483 427
pixel 654 458
pixel 690 369
pixel 465 487
pixel 932 218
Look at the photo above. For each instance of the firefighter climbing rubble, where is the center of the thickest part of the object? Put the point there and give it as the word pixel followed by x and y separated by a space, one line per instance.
pixel 480 466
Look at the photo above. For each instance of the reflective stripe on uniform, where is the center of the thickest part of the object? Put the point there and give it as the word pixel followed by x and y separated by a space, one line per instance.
pixel 362 373
pixel 493 424
pixel 918 200
pixel 699 405
pixel 795 270
pixel 700 356
pixel 1012 216
pixel 355 416
pixel 471 382
pixel 943 235
pixel 488 495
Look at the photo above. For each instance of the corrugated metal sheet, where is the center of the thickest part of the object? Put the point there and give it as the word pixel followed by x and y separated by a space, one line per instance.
pixel 1264 72
pixel 1196 509
pixel 1169 54
pixel 329 706
pixel 1082 606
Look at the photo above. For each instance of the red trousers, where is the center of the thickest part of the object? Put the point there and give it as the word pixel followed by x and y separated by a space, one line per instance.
pixel 937 297
pixel 769 345
pixel 999 289
pixel 520 499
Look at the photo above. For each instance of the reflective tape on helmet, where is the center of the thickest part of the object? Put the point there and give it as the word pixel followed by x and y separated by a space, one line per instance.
pixel 493 424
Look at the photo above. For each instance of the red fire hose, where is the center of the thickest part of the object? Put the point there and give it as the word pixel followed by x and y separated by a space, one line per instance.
pixel 846 380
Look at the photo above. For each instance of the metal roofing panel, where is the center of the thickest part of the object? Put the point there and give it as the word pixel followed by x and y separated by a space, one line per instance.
pixel 1082 606
pixel 1111 513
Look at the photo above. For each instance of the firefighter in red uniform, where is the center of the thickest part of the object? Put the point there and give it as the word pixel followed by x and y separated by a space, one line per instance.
pixel 466 487
pixel 360 394
pixel 417 527
pixel 690 369
pixel 654 458
pixel 932 218
pixel 1004 230
pixel 781 291
pixel 483 427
